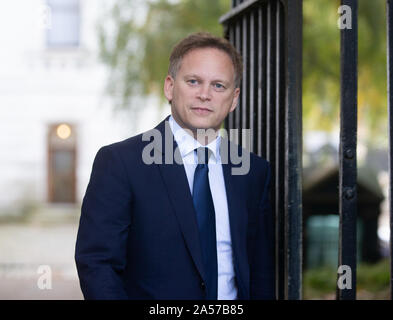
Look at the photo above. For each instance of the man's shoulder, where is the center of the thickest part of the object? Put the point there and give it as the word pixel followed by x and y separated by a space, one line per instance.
pixel 260 161
pixel 259 166
pixel 137 142
pixel 126 144
pixel 131 149
pixel 255 159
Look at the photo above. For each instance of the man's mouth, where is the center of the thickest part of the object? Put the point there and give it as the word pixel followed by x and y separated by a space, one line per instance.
pixel 201 110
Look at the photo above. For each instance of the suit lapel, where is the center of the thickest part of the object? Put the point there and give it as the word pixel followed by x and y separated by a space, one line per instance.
pixel 237 208
pixel 175 180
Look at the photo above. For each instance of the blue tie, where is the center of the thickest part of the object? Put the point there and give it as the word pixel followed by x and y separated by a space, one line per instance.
pixel 206 220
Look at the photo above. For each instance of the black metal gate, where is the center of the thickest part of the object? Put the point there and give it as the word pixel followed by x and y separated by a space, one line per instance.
pixel 269 36
pixel 268 33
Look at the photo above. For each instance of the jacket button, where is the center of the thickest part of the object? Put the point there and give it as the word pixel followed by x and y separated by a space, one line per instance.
pixel 203 286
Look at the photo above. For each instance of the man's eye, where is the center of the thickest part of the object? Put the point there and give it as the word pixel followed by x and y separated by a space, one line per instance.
pixel 192 81
pixel 219 86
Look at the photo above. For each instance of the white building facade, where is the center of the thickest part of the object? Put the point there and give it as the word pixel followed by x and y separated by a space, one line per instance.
pixel 54 113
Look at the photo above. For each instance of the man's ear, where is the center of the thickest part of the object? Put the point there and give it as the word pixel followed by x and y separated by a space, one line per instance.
pixel 168 88
pixel 235 100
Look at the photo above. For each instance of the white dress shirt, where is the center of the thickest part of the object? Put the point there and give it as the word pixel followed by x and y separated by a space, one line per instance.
pixel 227 289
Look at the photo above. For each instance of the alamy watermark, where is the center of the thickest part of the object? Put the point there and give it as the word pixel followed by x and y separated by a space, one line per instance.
pixel 229 152
pixel 345 19
pixel 345 277
pixel 44 281
pixel 44 17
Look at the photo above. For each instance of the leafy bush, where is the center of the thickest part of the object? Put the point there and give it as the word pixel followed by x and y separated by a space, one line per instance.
pixel 372 282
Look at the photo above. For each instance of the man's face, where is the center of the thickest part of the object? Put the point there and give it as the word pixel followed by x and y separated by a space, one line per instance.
pixel 203 92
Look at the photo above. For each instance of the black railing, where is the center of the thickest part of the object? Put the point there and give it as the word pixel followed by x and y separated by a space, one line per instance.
pixel 389 13
pixel 347 151
pixel 268 33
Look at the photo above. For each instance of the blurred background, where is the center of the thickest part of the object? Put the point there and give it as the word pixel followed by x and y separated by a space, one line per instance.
pixel 79 74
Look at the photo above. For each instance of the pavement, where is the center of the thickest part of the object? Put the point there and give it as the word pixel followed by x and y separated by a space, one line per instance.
pixel 37 262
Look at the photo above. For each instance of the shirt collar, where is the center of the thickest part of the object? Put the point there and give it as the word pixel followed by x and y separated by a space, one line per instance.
pixel 188 144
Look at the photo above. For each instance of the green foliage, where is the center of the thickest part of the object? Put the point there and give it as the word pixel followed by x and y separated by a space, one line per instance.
pixel 372 281
pixel 321 66
pixel 374 277
pixel 137 51
pixel 138 54
pixel 321 69
pixel 319 283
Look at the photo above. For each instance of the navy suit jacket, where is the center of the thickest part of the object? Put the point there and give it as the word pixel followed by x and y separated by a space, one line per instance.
pixel 138 236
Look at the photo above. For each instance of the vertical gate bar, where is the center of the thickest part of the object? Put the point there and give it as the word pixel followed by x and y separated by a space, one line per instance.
pixel 293 152
pixel 270 137
pixel 280 144
pixel 237 115
pixel 260 70
pixel 245 84
pixel 270 81
pixel 348 141
pixel 262 39
pixel 226 32
pixel 252 74
pixel 230 119
pixel 389 26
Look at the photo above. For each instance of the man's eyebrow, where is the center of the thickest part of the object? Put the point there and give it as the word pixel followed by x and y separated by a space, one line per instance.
pixel 192 75
pixel 227 83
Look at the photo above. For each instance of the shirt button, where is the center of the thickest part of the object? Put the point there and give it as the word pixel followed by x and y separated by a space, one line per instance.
pixel 203 286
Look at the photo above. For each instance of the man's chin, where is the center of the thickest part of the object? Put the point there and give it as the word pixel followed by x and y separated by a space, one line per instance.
pixel 203 126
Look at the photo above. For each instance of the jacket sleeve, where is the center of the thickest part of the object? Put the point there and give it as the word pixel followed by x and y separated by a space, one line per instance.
pixel 262 269
pixel 100 252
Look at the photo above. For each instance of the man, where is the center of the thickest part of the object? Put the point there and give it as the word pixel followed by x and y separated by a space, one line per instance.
pixel 183 225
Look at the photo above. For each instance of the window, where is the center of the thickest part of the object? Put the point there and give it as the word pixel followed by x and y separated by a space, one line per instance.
pixel 65 21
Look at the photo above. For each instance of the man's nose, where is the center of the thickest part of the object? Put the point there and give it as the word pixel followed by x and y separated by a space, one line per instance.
pixel 204 92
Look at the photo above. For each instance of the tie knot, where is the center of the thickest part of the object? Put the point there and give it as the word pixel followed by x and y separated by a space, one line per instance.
pixel 203 155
